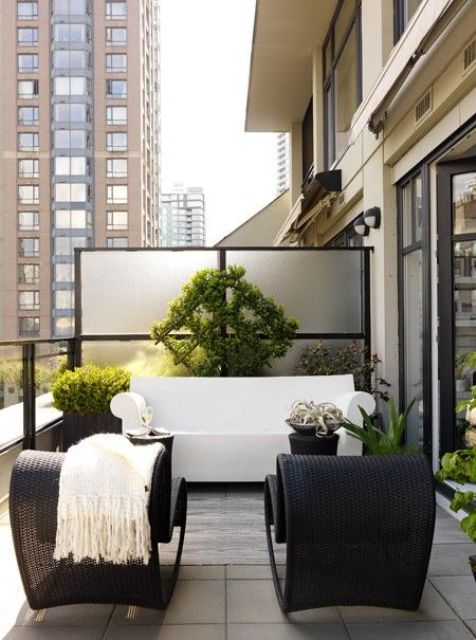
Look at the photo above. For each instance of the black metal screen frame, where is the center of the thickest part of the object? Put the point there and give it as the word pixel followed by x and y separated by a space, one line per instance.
pixel 364 335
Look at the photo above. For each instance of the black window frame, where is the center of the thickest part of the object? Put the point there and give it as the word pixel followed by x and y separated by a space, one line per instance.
pixel 328 74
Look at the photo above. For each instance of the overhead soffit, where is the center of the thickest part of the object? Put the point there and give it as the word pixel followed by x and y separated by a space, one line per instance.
pixel 280 82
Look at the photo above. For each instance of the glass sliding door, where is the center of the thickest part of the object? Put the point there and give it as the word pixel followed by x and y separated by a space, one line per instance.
pixel 413 310
pixel 457 293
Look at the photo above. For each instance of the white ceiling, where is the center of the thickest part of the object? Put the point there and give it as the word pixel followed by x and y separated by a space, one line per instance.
pixel 280 83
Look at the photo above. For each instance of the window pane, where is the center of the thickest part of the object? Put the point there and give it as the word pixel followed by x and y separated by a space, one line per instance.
pixel 28 194
pixel 27 115
pixel 27 62
pixel 116 36
pixel 71 33
pixel 28 220
pixel 27 10
pixel 28 168
pixel 63 327
pixel 342 23
pixel 116 10
pixel 29 300
pixel 29 247
pixel 116 168
pixel 64 272
pixel 464 203
pixel 116 115
pixel 27 36
pixel 116 62
pixel 70 86
pixel 29 326
pixel 117 243
pixel 64 246
pixel 64 299
pixel 70 219
pixel 117 220
pixel 28 273
pixel 345 82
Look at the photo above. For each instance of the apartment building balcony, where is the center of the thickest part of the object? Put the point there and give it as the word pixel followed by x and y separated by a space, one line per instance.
pixel 225 589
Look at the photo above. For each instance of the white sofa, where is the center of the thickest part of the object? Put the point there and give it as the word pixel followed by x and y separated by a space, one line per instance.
pixel 232 429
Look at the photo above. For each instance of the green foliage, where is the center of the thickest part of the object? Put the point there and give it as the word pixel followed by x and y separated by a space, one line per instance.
pixel 378 441
pixel 211 300
pixel 89 389
pixel 460 466
pixel 320 360
pixel 11 373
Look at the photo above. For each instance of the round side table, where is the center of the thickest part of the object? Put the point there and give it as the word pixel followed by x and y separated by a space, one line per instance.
pixel 312 445
pixel 166 440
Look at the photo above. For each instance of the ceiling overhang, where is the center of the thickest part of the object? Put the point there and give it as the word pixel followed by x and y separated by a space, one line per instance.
pixel 280 81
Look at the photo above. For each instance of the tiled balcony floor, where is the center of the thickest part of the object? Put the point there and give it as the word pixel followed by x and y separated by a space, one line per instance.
pixel 225 591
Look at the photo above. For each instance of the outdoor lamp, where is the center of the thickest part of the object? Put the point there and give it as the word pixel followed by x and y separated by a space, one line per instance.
pixel 372 217
pixel 360 227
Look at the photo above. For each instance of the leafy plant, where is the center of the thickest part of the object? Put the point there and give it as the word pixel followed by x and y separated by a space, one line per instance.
pixel 89 389
pixel 465 360
pixel 378 441
pixel 460 466
pixel 320 360
pixel 217 300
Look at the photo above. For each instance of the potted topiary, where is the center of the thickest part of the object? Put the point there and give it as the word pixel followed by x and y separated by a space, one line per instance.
pixel 315 426
pixel 459 468
pixel 228 326
pixel 84 396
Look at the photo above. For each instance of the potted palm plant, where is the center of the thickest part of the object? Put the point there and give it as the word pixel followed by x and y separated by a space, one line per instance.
pixel 84 396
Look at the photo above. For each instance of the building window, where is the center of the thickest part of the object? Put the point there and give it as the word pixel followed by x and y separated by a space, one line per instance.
pixel 28 194
pixel 116 10
pixel 70 33
pixel 71 139
pixel 346 238
pixel 27 62
pixel 71 7
pixel 28 220
pixel 29 247
pixel 71 112
pixel 342 61
pixel 29 326
pixel 28 168
pixel 116 168
pixel 71 86
pixel 117 220
pixel 27 10
pixel 71 192
pixel 307 131
pixel 117 194
pixel 116 36
pixel 116 141
pixel 27 116
pixel 27 89
pixel 116 88
pixel 28 300
pixel 71 166
pixel 64 272
pixel 63 327
pixel 27 36
pixel 28 274
pixel 116 115
pixel 71 219
pixel 117 243
pixel 116 62
pixel 65 245
pixel 64 299
pixel 404 10
pixel 70 60
pixel 28 141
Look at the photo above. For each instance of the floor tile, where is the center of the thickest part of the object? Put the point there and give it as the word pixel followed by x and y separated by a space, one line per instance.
pixel 450 559
pixel 301 631
pixel 472 625
pixel 460 592
pixel 255 601
pixel 432 607
pixel 39 632
pixel 202 572
pixel 167 632
pixel 193 602
pixel 448 530
pixel 248 572
pixel 410 631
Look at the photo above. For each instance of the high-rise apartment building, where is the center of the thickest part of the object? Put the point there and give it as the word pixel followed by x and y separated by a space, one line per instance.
pixel 282 162
pixel 182 217
pixel 80 148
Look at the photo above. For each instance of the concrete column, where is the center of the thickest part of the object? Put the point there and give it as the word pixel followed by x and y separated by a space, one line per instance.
pixel 377 39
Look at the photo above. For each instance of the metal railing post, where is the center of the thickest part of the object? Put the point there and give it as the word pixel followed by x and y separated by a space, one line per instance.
pixel 29 396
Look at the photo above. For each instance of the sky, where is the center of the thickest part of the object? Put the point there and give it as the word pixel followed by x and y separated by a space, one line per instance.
pixel 205 57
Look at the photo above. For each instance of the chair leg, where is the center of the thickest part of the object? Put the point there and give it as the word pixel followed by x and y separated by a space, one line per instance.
pixel 40 615
pixel 269 521
pixel 180 520
pixel 131 612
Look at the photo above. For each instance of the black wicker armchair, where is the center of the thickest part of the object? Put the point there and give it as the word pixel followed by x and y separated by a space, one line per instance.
pixel 49 583
pixel 358 530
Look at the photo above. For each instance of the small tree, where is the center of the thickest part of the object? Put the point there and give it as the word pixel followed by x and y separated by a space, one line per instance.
pixel 232 326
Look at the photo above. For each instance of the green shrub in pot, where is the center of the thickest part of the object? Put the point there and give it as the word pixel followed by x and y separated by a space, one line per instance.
pixel 84 396
pixel 460 466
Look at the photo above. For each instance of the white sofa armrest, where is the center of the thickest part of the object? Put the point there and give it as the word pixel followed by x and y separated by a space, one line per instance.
pixel 128 406
pixel 349 404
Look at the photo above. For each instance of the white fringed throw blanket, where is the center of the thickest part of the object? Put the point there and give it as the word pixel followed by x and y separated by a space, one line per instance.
pixel 103 498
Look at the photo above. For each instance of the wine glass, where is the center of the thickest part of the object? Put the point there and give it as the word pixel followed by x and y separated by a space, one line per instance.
pixel 146 419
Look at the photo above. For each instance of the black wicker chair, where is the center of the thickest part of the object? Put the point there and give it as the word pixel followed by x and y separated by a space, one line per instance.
pixel 358 530
pixel 49 583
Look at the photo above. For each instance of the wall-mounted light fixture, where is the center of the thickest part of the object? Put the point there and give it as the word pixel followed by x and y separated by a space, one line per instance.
pixel 360 227
pixel 372 217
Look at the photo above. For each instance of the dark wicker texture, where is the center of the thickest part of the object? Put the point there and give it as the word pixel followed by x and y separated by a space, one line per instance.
pixel 77 426
pixel 358 530
pixel 49 583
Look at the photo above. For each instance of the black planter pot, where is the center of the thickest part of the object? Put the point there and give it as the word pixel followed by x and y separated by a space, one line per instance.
pixel 77 426
pixel 312 445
